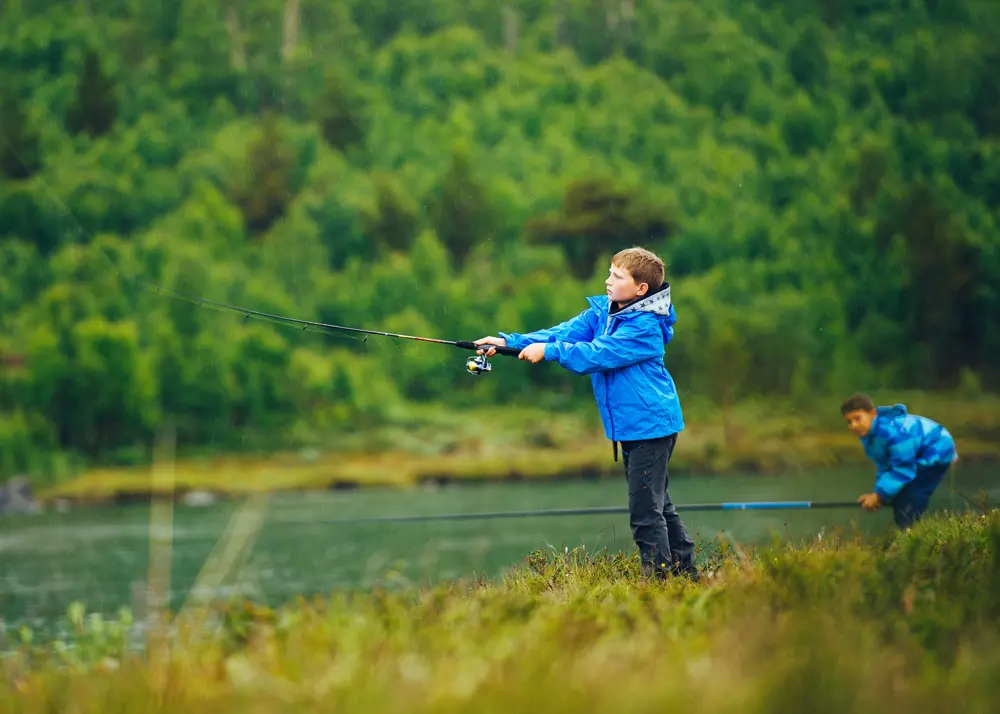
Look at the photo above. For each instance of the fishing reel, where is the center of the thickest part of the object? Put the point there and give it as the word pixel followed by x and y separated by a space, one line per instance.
pixel 477 365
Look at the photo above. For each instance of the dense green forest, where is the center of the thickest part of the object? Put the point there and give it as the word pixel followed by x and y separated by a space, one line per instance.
pixel 822 178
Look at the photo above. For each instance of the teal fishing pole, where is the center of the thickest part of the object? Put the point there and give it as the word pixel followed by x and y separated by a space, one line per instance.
pixel 605 510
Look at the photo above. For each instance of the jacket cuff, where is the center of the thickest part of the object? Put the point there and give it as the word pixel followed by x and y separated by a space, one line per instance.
pixel 885 496
pixel 512 339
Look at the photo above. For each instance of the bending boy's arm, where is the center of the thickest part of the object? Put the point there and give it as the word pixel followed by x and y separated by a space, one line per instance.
pixel 576 329
pixel 634 342
pixel 901 466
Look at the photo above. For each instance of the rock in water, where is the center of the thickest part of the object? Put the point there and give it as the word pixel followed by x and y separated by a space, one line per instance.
pixel 16 497
pixel 198 498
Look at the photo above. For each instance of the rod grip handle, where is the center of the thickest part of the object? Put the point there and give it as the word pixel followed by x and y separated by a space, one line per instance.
pixel 508 351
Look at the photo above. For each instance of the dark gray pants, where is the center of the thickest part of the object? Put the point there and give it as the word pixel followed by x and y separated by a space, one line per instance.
pixel 910 503
pixel 663 542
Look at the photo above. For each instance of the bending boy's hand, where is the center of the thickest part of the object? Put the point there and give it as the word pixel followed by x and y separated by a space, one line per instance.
pixel 870 501
pixel 533 353
pixel 493 341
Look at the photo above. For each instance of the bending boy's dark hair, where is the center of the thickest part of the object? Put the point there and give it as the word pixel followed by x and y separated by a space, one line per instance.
pixel 857 402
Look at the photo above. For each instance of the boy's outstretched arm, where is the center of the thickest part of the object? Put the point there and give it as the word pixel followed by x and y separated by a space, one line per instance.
pixel 576 329
pixel 899 469
pixel 634 342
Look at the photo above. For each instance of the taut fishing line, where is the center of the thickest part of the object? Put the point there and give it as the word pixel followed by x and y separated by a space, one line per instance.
pixel 475 365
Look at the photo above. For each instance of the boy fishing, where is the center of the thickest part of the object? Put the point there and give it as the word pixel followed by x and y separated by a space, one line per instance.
pixel 912 454
pixel 619 341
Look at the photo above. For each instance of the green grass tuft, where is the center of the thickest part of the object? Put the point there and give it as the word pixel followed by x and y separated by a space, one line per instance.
pixel 836 624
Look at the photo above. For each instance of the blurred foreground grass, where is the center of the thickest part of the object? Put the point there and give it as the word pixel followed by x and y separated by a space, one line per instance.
pixel 434 443
pixel 910 621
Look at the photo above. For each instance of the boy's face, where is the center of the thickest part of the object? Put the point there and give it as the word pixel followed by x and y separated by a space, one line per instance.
pixel 622 287
pixel 860 421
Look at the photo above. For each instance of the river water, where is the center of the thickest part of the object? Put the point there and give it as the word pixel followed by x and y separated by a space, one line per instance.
pixel 276 547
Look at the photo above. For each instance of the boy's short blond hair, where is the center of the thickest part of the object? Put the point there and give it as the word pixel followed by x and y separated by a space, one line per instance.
pixel 644 266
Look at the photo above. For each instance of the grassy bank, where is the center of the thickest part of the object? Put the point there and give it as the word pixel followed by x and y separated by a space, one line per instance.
pixel 831 625
pixel 433 443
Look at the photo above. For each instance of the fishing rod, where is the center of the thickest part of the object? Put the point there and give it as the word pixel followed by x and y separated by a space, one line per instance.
pixel 601 510
pixel 474 365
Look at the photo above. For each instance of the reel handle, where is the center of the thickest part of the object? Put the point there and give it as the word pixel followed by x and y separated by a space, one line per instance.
pixel 507 351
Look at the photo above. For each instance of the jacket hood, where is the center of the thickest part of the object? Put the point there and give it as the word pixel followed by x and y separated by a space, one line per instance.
pixel 657 303
pixel 896 410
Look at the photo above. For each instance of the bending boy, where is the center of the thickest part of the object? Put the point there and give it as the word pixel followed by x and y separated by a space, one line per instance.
pixel 912 454
pixel 619 341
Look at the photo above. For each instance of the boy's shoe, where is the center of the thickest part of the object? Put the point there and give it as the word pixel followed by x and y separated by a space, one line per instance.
pixel 676 571
pixel 690 572
pixel 647 572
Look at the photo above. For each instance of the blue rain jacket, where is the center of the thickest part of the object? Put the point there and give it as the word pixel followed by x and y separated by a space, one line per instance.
pixel 623 354
pixel 900 443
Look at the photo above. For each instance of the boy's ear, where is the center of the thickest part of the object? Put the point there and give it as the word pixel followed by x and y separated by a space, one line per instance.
pixel 643 288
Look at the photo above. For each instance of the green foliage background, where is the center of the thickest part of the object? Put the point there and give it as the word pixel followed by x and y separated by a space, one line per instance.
pixel 823 179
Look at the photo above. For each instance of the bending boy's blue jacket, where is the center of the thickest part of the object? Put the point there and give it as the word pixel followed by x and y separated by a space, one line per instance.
pixel 623 354
pixel 900 443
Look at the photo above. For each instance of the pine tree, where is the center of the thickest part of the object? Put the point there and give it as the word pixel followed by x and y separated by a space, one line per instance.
pixel 20 155
pixel 395 221
pixel 340 115
pixel 460 209
pixel 597 217
pixel 96 105
pixel 263 191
